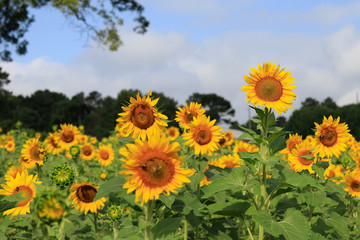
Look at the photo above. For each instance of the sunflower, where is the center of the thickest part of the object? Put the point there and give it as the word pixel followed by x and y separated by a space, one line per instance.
pixel 203 135
pixel 105 154
pixel 271 87
pixel 10 146
pixel 68 135
pixel 23 183
pixel 331 137
pixel 230 161
pixel 87 151
pixel 50 208
pixel 292 141
pixel 25 163
pixel 83 195
pixel 173 133
pixel 154 168
pixel 241 146
pixel 352 182
pixel 52 143
pixel 140 118
pixel 33 152
pixel 13 171
pixel 186 115
pixel 62 175
pixel 83 138
pixel 297 159
pixel 334 171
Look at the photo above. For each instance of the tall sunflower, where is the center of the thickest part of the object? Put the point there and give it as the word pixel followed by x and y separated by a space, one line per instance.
pixel 140 118
pixel 23 183
pixel 68 135
pixel 352 182
pixel 331 137
pixel 203 135
pixel 186 114
pixel 33 152
pixel 105 154
pixel 298 160
pixel 154 168
pixel 83 197
pixel 270 86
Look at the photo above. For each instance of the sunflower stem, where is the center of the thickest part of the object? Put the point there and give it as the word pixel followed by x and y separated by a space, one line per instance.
pixel 185 230
pixel 148 219
pixel 115 229
pixel 61 229
pixel 95 223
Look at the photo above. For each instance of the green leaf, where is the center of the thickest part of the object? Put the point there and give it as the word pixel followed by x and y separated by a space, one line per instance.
pixel 234 181
pixel 167 200
pixel 299 180
pixel 264 219
pixel 340 224
pixel 111 186
pixel 316 236
pixel 271 120
pixel 314 198
pixel 277 144
pixel 165 227
pixel 236 209
pixel 295 226
pixel 126 140
pixel 260 112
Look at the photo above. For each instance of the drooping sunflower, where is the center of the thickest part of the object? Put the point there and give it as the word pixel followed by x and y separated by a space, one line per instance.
pixel 154 168
pixel 331 137
pixel 352 182
pixel 83 197
pixel 13 171
pixel 203 135
pixel 68 135
pixel 140 118
pixel 270 86
pixel 33 152
pixel 23 183
pixel 50 208
pixel 300 158
pixel 173 133
pixel 52 143
pixel 87 151
pixel 105 154
pixel 186 114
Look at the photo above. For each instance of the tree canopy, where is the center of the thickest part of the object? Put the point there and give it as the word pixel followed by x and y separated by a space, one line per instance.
pixel 99 19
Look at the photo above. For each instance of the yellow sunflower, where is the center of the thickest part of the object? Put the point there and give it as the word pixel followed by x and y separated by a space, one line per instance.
pixel 203 135
pixel 105 154
pixel 33 152
pixel 50 208
pixel 140 118
pixel 352 182
pixel 87 151
pixel 83 195
pixel 154 166
pixel 334 171
pixel 68 135
pixel 10 146
pixel 52 143
pixel 291 142
pixel 331 137
pixel 186 114
pixel 230 161
pixel 13 171
pixel 23 183
pixel 241 146
pixel 271 87
pixel 297 160
pixel 173 133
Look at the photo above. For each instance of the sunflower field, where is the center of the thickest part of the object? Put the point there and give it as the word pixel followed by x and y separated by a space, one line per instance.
pixel 151 181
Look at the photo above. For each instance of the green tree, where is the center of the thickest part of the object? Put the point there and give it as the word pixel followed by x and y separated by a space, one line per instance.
pixel 215 106
pixel 99 19
pixel 309 102
pixel 328 102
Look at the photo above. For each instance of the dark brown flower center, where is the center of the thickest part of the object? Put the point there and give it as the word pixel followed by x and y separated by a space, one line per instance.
pixel 86 150
pixel 202 136
pixel 157 171
pixel 328 137
pixel 35 153
pixel 269 89
pixel 189 116
pixel 303 160
pixel 355 186
pixel 142 116
pixel 86 193
pixel 68 136
pixel 104 155
pixel 222 141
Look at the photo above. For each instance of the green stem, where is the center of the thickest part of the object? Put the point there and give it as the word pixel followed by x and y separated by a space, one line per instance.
pixel 185 230
pixel 61 229
pixel 44 232
pixel 148 219
pixel 95 223
pixel 115 229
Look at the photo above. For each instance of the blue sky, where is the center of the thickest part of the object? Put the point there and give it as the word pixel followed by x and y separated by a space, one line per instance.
pixel 201 46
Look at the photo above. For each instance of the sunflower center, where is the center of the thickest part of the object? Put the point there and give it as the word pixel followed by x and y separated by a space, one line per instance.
pixel 86 193
pixel 331 174
pixel 189 116
pixel 172 133
pixel 35 153
pixel 328 137
pixel 86 150
pixel 157 172
pixel 104 155
pixel 222 141
pixel 68 136
pixel 26 193
pixel 230 164
pixel 202 136
pixel 142 116
pixel 268 89
pixel 292 145
pixel 355 186
pixel 303 160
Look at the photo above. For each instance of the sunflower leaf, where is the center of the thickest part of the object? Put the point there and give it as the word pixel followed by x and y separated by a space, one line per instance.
pixel 165 227
pixel 111 186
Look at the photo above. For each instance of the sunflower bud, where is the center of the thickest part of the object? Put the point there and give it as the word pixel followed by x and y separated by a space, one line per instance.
pixel 346 161
pixel 62 175
pixel 74 151
pixel 114 212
